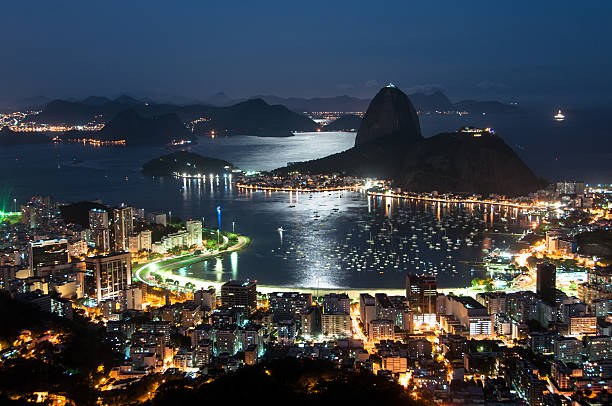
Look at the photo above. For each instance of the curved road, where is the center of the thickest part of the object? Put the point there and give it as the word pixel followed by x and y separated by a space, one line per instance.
pixel 144 273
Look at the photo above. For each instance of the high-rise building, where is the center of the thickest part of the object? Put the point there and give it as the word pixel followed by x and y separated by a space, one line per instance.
pixel 47 253
pixel 131 298
pixel 194 228
pixel 336 324
pixel 336 303
pixel 239 294
pixel 288 304
pixel 421 294
pixel 134 243
pixel 381 330
pixel 311 320
pixel 367 308
pixel 546 282
pixel 145 240
pixel 123 226
pixel 464 314
pixel 108 275
pixel 100 233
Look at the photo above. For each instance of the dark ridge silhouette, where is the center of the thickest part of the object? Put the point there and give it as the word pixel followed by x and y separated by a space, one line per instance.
pixel 255 117
pixel 252 117
pixel 346 122
pixel 137 130
pixel 390 114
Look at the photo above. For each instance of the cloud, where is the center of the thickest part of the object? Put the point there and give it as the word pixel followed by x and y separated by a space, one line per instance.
pixel 488 84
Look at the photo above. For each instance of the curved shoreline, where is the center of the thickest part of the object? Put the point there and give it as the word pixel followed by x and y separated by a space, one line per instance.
pixel 144 274
pixel 289 189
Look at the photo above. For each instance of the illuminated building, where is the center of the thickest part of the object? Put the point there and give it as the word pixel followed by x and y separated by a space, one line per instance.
pixel 597 287
pixel 123 226
pixel 381 330
pixel 582 325
pixel 311 320
pixel 239 294
pixel 131 298
pixel 336 324
pixel 569 188
pixel 206 298
pixel 100 233
pixel 108 275
pixel 421 294
pixel 471 316
pixel 495 302
pixel 568 349
pixel 47 253
pixel 395 364
pixel 336 303
pixel 56 305
pixel 288 304
pixel 145 240
pixel 367 308
pixel 227 340
pixel 194 228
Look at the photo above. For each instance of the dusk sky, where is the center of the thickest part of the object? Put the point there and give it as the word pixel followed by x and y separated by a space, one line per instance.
pixel 522 50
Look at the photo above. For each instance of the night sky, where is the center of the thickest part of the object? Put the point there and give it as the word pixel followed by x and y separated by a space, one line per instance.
pixel 522 50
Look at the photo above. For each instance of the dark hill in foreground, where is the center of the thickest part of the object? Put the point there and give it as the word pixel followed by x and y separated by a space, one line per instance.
pixel 295 381
pixel 392 148
pixel 185 162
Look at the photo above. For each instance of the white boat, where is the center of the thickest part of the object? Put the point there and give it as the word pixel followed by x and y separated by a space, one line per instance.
pixel 559 116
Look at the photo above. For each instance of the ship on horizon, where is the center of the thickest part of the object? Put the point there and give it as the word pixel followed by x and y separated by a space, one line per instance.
pixel 559 116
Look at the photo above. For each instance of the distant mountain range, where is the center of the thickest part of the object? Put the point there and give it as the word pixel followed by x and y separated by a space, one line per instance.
pixel 267 115
pixel 389 145
pixel 423 102
pixel 251 117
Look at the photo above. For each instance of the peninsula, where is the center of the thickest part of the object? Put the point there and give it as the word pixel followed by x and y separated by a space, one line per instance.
pixel 186 164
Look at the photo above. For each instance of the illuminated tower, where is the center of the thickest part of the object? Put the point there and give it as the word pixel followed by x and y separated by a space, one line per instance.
pixel 123 226
pixel 422 295
pixel 100 233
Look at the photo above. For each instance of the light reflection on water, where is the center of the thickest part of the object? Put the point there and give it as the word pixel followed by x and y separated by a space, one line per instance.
pixel 317 255
pixel 346 239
